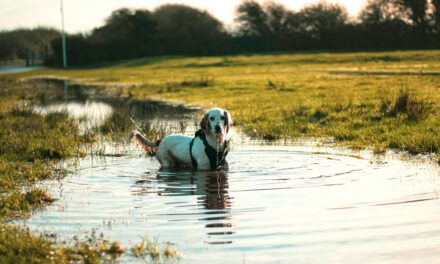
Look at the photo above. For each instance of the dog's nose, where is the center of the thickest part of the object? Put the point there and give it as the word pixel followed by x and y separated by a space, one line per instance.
pixel 218 129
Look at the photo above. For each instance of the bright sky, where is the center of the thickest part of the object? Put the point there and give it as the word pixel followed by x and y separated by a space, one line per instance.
pixel 84 15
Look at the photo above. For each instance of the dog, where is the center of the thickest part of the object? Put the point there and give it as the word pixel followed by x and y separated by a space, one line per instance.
pixel 207 150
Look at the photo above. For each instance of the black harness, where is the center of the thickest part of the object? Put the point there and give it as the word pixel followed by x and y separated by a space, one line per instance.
pixel 216 159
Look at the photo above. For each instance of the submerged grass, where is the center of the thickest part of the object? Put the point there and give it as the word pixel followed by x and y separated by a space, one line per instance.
pixel 150 251
pixel 121 122
pixel 393 102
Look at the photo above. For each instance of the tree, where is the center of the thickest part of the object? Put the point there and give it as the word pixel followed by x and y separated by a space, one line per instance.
pixel 416 11
pixel 378 12
pixel 324 23
pixel 277 18
pixel 436 15
pixel 78 51
pixel 126 34
pixel 252 19
pixel 265 27
pixel 14 43
pixel 383 26
pixel 281 25
pixel 186 30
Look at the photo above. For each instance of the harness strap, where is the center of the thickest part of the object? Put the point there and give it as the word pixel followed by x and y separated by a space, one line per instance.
pixel 215 158
pixel 193 160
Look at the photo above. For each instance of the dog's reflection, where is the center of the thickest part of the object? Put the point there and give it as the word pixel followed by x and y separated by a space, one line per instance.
pixel 211 189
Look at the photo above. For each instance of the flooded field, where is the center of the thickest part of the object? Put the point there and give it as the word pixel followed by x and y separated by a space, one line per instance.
pixel 278 203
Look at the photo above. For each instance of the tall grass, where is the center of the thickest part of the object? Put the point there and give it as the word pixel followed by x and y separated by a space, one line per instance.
pixel 407 103
pixel 202 81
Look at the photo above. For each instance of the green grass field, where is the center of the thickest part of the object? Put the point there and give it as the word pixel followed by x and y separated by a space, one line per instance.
pixel 362 100
pixel 374 100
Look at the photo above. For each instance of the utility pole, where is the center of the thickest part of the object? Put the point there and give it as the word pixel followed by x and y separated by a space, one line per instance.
pixel 63 37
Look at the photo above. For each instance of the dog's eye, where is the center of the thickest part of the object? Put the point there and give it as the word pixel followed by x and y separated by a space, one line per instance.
pixel 211 118
pixel 222 118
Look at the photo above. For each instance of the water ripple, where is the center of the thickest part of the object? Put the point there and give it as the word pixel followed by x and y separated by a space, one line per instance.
pixel 271 205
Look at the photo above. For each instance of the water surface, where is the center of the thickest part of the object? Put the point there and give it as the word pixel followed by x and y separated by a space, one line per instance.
pixel 278 203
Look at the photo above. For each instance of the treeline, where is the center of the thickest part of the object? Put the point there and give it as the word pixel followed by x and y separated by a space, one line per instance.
pixel 382 24
pixel 127 33
pixel 260 27
pixel 15 44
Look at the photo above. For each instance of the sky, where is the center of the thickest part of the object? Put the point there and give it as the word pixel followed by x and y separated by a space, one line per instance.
pixel 84 15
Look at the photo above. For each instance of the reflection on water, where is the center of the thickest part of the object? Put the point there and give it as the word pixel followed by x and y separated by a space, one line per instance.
pixel 273 205
pixel 92 106
pixel 276 204
pixel 211 190
pixel 93 113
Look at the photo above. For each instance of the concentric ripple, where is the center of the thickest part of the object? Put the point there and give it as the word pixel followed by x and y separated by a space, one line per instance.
pixel 274 205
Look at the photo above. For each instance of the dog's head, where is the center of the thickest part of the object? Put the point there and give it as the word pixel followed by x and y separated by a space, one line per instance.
pixel 216 121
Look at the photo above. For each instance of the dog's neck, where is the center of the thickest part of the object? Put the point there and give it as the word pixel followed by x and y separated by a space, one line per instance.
pixel 217 141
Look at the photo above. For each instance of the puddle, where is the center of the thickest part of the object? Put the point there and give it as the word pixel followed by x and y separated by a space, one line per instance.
pixel 383 73
pixel 276 204
pixel 92 106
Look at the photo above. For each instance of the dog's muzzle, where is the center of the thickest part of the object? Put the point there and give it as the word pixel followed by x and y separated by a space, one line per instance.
pixel 218 129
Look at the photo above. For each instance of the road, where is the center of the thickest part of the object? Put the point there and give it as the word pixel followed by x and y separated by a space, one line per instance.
pixel 18 68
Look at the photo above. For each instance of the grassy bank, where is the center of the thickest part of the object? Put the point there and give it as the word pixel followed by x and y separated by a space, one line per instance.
pixel 372 100
pixel 30 147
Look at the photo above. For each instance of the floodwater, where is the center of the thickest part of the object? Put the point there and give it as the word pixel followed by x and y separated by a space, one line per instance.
pixel 278 203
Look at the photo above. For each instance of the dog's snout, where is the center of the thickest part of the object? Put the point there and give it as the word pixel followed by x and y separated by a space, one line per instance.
pixel 218 128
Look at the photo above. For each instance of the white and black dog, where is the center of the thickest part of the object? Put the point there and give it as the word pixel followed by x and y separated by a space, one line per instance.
pixel 207 150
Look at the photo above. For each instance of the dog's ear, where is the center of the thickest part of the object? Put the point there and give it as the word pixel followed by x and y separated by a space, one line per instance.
pixel 228 120
pixel 204 122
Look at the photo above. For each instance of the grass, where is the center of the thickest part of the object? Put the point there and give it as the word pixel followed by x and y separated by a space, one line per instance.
pixel 150 251
pixel 21 246
pixel 29 143
pixel 362 100
pixel 376 100
pixel 406 103
pixel 120 123
pixel 30 146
